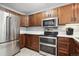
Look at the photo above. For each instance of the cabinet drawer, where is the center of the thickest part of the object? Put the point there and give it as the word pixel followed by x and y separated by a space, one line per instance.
pixel 63 49
pixel 63 40
pixel 77 49
pixel 62 54
pixel 63 44
pixel 60 42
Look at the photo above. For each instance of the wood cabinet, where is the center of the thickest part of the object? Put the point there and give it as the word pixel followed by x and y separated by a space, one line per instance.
pixel 65 46
pixel 29 41
pixel 76 48
pixel 76 13
pixel 68 14
pixel 54 12
pixel 35 43
pixel 22 39
pixel 39 18
pixel 36 19
pixel 24 21
pixel 51 13
pixel 32 42
pixel 65 14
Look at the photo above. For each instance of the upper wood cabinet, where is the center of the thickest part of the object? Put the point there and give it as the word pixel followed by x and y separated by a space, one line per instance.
pixel 76 13
pixel 51 13
pixel 35 19
pixel 39 18
pixel 65 14
pixel 24 21
pixel 68 14
pixel 31 20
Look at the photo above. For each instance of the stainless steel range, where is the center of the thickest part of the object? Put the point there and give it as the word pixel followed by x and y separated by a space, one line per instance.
pixel 48 43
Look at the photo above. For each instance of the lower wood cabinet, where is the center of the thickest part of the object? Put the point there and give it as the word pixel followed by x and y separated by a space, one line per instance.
pixel 76 48
pixel 22 40
pixel 32 42
pixel 66 46
pixel 29 41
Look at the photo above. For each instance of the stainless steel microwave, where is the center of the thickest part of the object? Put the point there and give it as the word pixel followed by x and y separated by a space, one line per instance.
pixel 50 22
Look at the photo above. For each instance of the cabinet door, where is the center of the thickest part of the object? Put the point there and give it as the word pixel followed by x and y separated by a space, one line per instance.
pixel 32 42
pixel 36 19
pixel 76 12
pixel 24 20
pixel 39 17
pixel 32 19
pixel 54 12
pixel 65 14
pixel 22 40
pixel 28 41
pixel 66 46
pixel 63 46
pixel 35 43
pixel 47 14
pixel 76 48
pixel 51 13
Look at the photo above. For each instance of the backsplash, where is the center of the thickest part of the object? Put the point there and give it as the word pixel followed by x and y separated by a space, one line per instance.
pixel 60 28
pixel 22 28
pixel 35 29
pixel 31 28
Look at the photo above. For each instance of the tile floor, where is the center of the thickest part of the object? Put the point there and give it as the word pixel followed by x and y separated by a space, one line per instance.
pixel 27 52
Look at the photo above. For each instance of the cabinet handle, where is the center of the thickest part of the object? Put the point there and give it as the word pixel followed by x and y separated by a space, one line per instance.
pixel 71 19
pixel 48 15
pixel 74 19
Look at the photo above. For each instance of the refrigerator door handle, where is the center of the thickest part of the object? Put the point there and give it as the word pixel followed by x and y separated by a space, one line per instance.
pixel 7 28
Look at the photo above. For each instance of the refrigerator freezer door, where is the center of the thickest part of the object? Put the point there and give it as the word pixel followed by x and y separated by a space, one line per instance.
pixel 5 49
pixel 15 47
pixel 9 49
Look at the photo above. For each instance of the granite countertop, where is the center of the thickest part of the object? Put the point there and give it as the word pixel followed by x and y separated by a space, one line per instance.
pixel 75 37
pixel 61 34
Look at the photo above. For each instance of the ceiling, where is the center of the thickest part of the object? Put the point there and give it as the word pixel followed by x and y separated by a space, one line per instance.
pixel 30 8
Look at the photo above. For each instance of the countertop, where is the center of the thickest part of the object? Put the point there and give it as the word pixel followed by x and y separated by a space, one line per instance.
pixel 60 34
pixel 75 37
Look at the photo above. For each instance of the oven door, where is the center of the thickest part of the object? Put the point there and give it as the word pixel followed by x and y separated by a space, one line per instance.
pixel 48 40
pixel 48 45
pixel 47 50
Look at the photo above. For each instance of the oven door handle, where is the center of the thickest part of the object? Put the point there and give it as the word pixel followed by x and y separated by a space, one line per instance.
pixel 48 37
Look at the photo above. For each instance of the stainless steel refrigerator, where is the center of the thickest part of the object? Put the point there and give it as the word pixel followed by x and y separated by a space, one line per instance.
pixel 9 33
